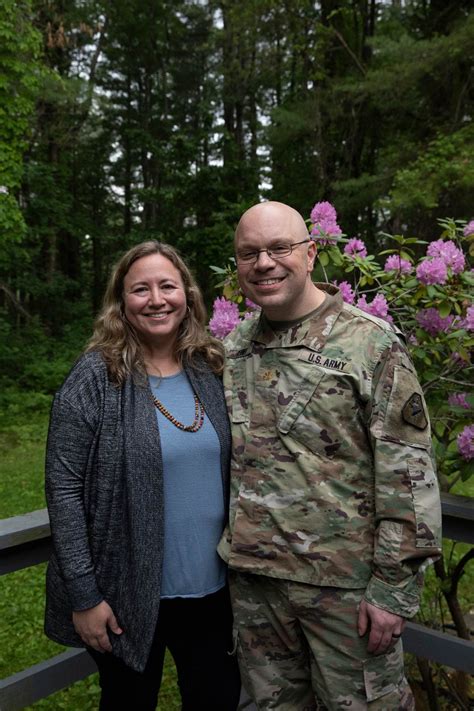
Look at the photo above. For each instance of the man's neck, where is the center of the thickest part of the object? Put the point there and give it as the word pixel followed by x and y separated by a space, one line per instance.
pixel 311 300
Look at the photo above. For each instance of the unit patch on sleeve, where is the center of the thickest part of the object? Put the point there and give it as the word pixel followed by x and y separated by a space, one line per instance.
pixel 413 412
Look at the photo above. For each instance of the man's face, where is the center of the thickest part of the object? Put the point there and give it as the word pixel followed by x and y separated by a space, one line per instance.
pixel 281 286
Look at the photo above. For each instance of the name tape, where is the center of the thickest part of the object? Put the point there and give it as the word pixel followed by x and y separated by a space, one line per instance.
pixel 325 362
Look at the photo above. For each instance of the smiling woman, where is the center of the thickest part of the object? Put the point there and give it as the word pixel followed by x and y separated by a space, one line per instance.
pixel 155 306
pixel 137 490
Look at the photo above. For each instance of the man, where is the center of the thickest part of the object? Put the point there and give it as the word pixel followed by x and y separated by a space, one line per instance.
pixel 334 505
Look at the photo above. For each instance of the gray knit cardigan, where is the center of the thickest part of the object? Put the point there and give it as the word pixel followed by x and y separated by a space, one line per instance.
pixel 104 489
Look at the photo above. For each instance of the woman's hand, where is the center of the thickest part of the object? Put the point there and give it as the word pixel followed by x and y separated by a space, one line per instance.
pixel 91 625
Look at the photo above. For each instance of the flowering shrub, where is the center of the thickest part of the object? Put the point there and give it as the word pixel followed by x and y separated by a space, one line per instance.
pixel 225 317
pixel 324 225
pixel 466 442
pixel 355 248
pixel 394 263
pixel 429 299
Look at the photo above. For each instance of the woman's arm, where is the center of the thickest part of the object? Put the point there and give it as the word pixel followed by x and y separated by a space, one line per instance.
pixel 70 440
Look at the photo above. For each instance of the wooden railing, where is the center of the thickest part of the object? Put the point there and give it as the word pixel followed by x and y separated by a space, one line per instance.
pixel 26 541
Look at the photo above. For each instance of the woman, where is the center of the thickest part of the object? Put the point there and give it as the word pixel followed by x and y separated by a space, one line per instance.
pixel 137 490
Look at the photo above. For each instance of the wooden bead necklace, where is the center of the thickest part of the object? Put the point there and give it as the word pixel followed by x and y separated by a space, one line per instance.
pixel 198 415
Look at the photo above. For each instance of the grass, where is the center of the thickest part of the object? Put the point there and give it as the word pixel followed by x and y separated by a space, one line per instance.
pixel 22 641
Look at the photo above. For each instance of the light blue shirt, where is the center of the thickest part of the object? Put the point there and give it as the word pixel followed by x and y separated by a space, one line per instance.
pixel 193 495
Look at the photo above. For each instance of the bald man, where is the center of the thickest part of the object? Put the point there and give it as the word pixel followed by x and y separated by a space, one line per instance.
pixel 334 502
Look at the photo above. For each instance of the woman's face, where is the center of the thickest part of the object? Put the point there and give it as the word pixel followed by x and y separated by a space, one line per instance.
pixel 154 299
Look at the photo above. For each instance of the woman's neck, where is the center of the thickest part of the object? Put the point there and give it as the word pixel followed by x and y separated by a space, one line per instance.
pixel 160 361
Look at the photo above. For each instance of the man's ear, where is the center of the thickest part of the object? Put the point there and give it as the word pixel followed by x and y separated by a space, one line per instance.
pixel 312 252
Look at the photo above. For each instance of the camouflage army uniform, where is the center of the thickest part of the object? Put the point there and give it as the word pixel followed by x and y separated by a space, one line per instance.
pixel 334 495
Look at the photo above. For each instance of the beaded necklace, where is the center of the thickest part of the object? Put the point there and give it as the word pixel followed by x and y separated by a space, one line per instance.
pixel 198 415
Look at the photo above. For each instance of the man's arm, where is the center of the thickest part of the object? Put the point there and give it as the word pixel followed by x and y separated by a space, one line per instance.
pixel 407 505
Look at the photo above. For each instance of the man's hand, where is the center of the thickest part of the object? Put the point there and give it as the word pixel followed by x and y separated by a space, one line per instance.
pixel 91 625
pixel 385 627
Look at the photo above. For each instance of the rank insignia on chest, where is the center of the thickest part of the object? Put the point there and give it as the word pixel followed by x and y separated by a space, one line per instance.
pixel 413 412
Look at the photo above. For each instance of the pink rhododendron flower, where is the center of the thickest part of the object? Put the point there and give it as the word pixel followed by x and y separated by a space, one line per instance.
pixel 468 322
pixel 324 219
pixel 432 322
pixel 432 271
pixel 459 400
pixel 449 253
pixel 346 291
pixel 469 229
pixel 323 231
pixel 355 248
pixel 466 442
pixel 377 307
pixel 225 317
pixel 396 263
pixel 323 211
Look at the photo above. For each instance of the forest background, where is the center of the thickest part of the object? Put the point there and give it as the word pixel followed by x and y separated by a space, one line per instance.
pixel 135 119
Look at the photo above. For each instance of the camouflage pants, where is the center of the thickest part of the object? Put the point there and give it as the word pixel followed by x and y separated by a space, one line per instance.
pixel 299 649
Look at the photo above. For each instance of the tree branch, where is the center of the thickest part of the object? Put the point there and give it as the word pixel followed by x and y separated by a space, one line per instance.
pixel 357 61
pixel 11 296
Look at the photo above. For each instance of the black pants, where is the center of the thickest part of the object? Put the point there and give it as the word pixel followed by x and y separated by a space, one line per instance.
pixel 198 633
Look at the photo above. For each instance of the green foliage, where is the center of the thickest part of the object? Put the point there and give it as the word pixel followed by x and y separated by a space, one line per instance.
pixel 443 171
pixel 32 361
pixel 19 71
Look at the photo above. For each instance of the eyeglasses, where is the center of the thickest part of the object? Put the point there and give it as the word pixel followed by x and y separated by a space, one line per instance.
pixel 279 251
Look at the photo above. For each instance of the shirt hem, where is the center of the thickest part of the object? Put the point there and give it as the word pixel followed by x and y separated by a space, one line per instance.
pixel 194 595
pixel 342 581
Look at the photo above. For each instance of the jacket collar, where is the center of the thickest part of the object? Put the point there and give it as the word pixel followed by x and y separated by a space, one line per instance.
pixel 312 332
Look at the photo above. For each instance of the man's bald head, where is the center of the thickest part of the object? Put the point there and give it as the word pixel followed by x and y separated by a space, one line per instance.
pixel 279 283
pixel 266 214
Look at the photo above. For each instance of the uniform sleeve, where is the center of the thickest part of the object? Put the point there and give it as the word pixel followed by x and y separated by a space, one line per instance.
pixel 407 503
pixel 70 440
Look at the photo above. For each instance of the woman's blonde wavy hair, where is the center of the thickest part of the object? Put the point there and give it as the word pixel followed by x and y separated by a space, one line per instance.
pixel 117 340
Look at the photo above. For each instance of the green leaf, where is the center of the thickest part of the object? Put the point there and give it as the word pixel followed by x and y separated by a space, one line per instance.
pixel 444 309
pixel 439 428
pixel 323 259
pixel 466 470
pixel 335 256
pixel 455 334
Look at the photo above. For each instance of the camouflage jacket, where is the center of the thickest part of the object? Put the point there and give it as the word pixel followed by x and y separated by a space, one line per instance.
pixel 332 479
